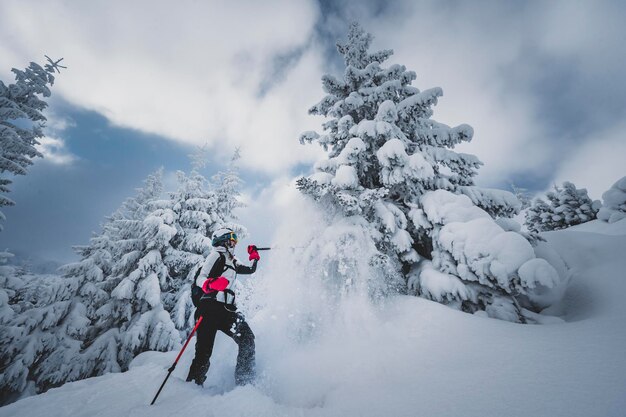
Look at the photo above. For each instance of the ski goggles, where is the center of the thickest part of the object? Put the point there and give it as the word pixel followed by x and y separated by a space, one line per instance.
pixel 232 237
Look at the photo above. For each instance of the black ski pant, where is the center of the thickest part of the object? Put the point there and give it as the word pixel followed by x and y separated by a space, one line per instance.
pixel 216 317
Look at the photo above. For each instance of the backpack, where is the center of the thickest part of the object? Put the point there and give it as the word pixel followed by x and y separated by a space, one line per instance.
pixel 216 271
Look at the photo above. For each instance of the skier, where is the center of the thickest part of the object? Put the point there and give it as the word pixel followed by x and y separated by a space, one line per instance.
pixel 216 304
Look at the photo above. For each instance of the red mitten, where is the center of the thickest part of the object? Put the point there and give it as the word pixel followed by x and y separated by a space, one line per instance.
pixel 254 255
pixel 217 284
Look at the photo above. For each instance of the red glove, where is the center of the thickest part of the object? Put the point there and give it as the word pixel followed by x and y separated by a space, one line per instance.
pixel 217 284
pixel 254 255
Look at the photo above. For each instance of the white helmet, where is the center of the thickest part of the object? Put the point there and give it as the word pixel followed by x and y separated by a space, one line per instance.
pixel 223 235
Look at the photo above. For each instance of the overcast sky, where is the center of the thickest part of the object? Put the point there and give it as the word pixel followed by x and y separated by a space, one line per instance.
pixel 542 83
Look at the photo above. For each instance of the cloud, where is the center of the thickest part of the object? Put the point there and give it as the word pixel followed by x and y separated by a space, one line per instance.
pixel 55 151
pixel 598 163
pixel 531 78
pixel 190 73
pixel 53 146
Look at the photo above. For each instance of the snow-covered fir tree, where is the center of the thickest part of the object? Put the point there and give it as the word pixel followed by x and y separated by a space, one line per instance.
pixel 614 202
pixel 6 273
pixel 57 332
pixel 159 246
pixel 227 185
pixel 201 208
pixel 22 121
pixel 128 293
pixel 133 319
pixel 394 183
pixel 567 207
pixel 46 321
pixel 194 206
pixel 522 196
pixel 539 216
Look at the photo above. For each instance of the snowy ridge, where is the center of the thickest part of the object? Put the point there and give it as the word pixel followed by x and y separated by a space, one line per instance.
pixel 406 357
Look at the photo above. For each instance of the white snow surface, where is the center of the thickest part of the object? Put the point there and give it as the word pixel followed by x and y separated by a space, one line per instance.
pixel 405 357
pixel 482 248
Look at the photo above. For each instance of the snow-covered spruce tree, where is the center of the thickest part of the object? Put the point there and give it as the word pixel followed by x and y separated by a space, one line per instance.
pixel 133 319
pixel 47 315
pixel 21 121
pixel 201 208
pixel 393 182
pixel 614 202
pixel 227 185
pixel 21 125
pixel 42 315
pixel 7 272
pixel 539 216
pixel 522 195
pixel 568 206
pixel 159 246
pixel 46 319
pixel 128 293
pixel 57 332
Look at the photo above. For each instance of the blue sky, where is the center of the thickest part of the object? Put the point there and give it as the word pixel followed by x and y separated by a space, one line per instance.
pixel 542 83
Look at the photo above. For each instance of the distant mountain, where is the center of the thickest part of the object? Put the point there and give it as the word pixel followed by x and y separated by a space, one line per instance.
pixel 34 264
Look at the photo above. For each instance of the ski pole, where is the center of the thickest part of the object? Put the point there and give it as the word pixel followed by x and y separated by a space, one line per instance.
pixel 278 248
pixel 169 371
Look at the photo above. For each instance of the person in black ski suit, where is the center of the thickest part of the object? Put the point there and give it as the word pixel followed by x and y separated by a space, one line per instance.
pixel 215 301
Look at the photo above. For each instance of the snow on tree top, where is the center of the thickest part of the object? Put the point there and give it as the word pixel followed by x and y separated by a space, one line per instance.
pixel 387 112
pixel 419 104
pixel 355 51
pixel 443 207
pixel 397 165
pixel 346 177
pixel 614 208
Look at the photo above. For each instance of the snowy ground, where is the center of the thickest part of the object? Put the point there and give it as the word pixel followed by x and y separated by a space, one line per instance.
pixel 410 357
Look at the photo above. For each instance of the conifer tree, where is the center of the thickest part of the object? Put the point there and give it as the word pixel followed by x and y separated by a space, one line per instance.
pixel 58 328
pixel 614 202
pixel 128 293
pixel 45 320
pixel 568 206
pixel 388 162
pixel 22 121
pixel 539 217
pixel 134 319
pixel 201 207
pixel 21 125
pixel 227 186
pixel 522 196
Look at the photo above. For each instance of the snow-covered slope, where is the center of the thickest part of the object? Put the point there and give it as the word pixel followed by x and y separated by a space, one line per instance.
pixel 410 357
